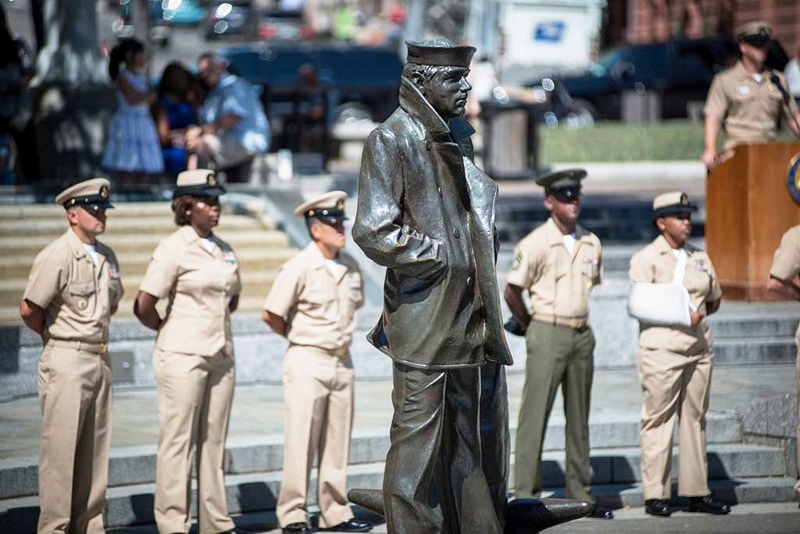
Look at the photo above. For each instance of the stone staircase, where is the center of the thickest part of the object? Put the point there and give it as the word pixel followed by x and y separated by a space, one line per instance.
pixel 134 230
pixel 739 472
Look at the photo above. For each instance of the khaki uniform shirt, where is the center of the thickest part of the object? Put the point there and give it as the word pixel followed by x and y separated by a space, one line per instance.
pixel 78 296
pixel 317 304
pixel 747 109
pixel 558 284
pixel 199 285
pixel 786 261
pixel 656 263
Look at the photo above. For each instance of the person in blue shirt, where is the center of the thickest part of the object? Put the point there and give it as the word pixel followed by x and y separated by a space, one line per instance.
pixel 234 126
pixel 175 113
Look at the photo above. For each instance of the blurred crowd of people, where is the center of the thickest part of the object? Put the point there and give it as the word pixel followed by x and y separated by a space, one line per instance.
pixel 214 118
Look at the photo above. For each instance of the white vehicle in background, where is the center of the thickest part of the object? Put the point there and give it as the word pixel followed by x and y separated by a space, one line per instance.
pixel 549 35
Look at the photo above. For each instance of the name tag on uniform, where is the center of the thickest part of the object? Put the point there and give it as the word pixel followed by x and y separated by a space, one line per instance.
pixel 742 90
pixel 229 257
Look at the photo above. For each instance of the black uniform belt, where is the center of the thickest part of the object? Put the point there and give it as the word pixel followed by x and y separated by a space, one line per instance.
pixel 579 323
pixel 82 346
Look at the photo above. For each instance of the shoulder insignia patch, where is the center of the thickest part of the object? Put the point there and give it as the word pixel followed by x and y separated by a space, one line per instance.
pixel 517 261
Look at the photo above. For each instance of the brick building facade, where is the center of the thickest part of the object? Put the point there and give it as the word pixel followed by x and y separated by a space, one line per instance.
pixel 642 21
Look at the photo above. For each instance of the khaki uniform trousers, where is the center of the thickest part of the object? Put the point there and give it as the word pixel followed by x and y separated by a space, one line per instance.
pixel 674 384
pixel 195 394
pixel 557 356
pixel 318 395
pixel 75 398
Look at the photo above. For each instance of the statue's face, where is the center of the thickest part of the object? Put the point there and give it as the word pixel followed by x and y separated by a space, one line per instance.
pixel 447 91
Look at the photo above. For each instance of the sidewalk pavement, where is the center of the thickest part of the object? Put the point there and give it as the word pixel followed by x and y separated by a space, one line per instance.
pixel 258 409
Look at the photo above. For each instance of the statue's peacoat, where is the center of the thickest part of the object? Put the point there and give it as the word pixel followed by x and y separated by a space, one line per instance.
pixel 426 213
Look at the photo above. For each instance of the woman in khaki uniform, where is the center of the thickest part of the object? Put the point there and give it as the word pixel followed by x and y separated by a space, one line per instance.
pixel 783 280
pixel 193 361
pixel 675 363
pixel 73 289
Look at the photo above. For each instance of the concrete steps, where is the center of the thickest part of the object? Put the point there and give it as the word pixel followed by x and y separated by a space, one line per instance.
pixel 254 454
pixel 134 230
pixel 747 472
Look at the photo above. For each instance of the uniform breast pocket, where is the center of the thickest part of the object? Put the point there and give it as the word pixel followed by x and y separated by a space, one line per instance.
pixel 320 295
pixel 590 266
pixel 81 296
pixel 698 282
pixel 743 95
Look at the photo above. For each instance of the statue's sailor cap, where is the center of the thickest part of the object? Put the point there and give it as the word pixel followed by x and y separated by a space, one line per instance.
pixel 439 52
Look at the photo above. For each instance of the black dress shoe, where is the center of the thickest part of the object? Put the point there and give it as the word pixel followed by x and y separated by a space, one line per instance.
pixel 296 527
pixel 707 505
pixel 601 512
pixel 657 507
pixel 351 525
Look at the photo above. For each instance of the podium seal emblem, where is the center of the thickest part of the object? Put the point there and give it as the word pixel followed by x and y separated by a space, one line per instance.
pixel 794 177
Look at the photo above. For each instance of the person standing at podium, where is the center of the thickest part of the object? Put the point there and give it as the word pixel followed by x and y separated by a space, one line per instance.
pixel 783 281
pixel 747 100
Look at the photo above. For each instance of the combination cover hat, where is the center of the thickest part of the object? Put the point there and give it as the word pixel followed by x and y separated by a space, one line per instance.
pixel 441 55
pixel 328 207
pixel 93 192
pixel 672 203
pixel 567 180
pixel 199 183
pixel 757 29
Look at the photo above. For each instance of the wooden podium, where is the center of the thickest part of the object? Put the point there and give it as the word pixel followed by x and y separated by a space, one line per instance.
pixel 748 208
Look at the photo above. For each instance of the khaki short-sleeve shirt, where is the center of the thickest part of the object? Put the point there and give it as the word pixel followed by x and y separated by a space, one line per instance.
pixel 77 295
pixel 199 280
pixel 558 284
pixel 786 261
pixel 656 264
pixel 748 109
pixel 317 302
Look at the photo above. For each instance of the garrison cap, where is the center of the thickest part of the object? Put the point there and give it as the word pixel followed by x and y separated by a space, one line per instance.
pixel 567 181
pixel 94 192
pixel 328 207
pixel 199 183
pixel 754 32
pixel 440 53
pixel 672 203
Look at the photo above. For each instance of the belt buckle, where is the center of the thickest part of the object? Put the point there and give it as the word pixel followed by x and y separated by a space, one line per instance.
pixel 103 348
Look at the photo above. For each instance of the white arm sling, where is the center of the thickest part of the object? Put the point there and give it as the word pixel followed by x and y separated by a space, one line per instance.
pixel 663 304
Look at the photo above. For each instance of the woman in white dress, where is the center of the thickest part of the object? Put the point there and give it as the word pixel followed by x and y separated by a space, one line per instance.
pixel 133 150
